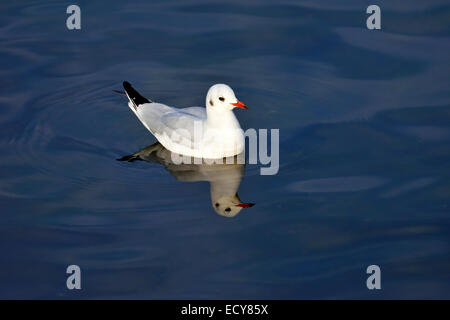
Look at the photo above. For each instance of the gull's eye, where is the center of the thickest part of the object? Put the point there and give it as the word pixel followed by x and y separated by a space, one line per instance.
pixel 222 99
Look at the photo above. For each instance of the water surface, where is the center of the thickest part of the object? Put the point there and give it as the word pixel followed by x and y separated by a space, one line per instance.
pixel 364 119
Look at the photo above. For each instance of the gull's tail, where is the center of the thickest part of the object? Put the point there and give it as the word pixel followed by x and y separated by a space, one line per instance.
pixel 148 154
pixel 129 158
pixel 135 97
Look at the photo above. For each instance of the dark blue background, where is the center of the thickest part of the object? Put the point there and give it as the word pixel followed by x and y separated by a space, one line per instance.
pixel 364 121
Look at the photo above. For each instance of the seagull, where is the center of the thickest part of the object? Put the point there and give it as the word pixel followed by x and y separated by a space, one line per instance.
pixel 210 133
pixel 224 179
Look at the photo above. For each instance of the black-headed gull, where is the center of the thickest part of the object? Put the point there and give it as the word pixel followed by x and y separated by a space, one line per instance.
pixel 212 132
pixel 224 179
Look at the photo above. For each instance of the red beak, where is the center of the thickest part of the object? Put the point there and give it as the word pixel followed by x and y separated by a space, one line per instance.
pixel 240 105
pixel 245 205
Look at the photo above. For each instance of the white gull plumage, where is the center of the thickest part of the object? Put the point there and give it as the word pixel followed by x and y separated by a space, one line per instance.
pixel 212 132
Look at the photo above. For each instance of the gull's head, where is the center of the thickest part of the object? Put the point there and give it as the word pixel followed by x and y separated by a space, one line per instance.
pixel 221 97
pixel 229 206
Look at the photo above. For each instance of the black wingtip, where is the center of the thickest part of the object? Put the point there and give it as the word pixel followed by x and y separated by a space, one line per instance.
pixel 129 158
pixel 134 96
pixel 127 85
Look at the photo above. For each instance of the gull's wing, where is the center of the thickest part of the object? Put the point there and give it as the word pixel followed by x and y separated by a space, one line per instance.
pixel 174 128
pixel 196 111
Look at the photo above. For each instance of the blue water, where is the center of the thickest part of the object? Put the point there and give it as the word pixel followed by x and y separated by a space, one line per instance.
pixel 364 119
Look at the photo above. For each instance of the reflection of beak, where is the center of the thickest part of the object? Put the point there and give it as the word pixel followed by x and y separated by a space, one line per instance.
pixel 240 105
pixel 245 205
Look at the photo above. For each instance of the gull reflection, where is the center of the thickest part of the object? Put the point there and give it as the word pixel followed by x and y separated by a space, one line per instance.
pixel 224 178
